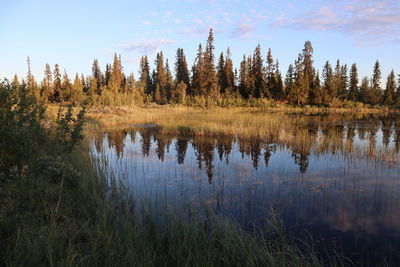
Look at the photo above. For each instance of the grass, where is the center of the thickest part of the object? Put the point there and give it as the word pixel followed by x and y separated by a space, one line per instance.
pixel 284 126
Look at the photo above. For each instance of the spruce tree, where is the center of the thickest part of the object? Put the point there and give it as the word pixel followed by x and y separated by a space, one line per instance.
pixel 279 90
pixel 270 69
pixel 353 86
pixel 181 68
pixel 115 85
pixel 376 90
pixel 289 81
pixel 211 81
pixel 389 94
pixel 76 90
pixel 199 74
pixel 47 84
pixel 56 84
pixel 170 84
pixel 145 79
pixel 65 89
pixel 160 79
pixel 243 79
pixel 328 81
pixel 229 75
pixel 365 90
pixel 97 76
pixel 221 73
pixel 257 76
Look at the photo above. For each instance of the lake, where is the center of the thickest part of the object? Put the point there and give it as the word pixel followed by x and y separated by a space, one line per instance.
pixel 338 182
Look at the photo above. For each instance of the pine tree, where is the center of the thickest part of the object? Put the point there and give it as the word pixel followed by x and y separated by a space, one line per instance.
pixel 344 82
pixel 365 90
pixel 270 69
pixel 181 68
pixel 299 93
pixel 229 76
pixel 221 73
pixel 328 81
pixel 97 76
pixel 243 79
pixel 65 89
pixel 56 84
pixel 199 75
pixel 145 79
pixel 279 90
pixel 257 76
pixel 160 79
pixel 353 87
pixel 170 85
pixel 47 84
pixel 31 84
pixel 389 94
pixel 116 78
pixel 376 90
pixel 308 69
pixel 77 90
pixel 211 81
pixel 289 81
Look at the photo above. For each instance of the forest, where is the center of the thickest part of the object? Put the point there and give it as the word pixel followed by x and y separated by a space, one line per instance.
pixel 257 82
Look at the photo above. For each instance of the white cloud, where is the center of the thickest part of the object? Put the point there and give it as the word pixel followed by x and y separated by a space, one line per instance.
pixel 147 46
pixel 365 19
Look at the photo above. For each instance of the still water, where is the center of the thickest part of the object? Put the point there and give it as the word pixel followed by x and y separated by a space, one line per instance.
pixel 335 188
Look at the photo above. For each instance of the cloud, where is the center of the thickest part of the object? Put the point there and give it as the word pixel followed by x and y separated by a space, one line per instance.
pixel 147 46
pixel 365 19
pixel 242 30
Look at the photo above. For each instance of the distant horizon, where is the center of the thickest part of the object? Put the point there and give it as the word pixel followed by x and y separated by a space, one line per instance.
pixel 73 34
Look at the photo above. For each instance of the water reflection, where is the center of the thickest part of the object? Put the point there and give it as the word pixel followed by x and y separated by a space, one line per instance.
pixel 333 179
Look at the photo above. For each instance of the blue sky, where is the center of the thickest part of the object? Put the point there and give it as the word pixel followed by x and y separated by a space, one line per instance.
pixel 72 33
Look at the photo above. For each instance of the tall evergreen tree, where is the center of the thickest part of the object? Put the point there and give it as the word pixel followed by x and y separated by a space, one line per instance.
pixel 256 70
pixel 97 76
pixel 365 90
pixel 47 84
pixel 199 74
pixel 76 90
pixel 145 79
pixel 116 78
pixel 243 79
pixel 170 84
pixel 160 79
pixel 353 86
pixel 289 81
pixel 66 87
pixel 279 90
pixel 181 68
pixel 389 94
pixel 229 75
pixel 221 72
pixel 211 81
pixel 271 81
pixel 376 90
pixel 328 81
pixel 56 84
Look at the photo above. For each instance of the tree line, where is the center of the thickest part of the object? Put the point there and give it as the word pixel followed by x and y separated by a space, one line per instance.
pixel 210 82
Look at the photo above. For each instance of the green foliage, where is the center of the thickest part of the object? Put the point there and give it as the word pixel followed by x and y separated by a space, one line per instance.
pixel 69 128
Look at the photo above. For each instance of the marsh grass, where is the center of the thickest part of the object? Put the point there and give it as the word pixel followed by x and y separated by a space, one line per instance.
pixel 304 130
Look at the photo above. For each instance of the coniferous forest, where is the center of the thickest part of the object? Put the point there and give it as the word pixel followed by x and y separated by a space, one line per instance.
pixel 212 80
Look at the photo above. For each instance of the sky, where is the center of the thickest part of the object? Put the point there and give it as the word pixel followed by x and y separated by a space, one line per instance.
pixel 73 33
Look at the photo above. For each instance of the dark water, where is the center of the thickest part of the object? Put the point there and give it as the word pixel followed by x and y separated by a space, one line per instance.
pixel 332 188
